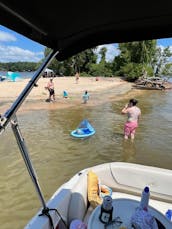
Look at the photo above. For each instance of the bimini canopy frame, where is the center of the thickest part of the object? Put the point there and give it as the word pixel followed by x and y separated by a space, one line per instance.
pixel 72 26
pixel 10 116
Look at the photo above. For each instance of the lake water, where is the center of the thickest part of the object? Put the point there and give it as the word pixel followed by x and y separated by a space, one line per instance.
pixel 57 156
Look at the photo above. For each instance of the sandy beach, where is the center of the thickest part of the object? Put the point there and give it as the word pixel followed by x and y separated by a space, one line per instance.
pixel 105 88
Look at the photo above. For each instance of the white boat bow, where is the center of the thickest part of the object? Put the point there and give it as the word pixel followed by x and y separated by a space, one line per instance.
pixel 126 181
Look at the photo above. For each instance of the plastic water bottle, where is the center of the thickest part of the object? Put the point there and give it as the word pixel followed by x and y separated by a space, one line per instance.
pixel 169 214
pixel 106 210
pixel 145 198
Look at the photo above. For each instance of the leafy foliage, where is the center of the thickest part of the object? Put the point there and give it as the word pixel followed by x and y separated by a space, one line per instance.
pixel 80 62
pixel 18 66
pixel 135 59
pixel 131 71
pixel 100 69
pixel 161 58
pixel 167 70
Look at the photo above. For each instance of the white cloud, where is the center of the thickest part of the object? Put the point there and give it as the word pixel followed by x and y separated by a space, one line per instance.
pixel 6 37
pixel 112 51
pixel 14 54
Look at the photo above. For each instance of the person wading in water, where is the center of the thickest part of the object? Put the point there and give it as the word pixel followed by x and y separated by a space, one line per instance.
pixel 133 114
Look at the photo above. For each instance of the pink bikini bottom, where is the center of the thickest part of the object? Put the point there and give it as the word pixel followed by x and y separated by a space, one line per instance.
pixel 130 128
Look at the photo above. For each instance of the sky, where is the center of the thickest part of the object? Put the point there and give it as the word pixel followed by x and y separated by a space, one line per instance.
pixel 15 47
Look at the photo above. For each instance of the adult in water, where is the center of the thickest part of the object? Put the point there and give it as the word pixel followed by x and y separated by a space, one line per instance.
pixel 133 115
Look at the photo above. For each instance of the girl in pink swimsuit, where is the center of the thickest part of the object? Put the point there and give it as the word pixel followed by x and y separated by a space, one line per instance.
pixel 133 114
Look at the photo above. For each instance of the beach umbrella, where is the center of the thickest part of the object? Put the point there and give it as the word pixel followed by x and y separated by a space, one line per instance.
pixel 13 75
pixel 47 70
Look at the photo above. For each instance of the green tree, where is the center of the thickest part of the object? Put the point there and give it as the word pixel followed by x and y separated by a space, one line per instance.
pixel 135 58
pixel 160 62
pixel 102 68
pixel 167 70
pixel 83 60
pixel 80 62
pixel 102 52
pixel 18 66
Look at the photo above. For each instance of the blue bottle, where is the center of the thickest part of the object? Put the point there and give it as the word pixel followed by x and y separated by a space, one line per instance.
pixel 168 214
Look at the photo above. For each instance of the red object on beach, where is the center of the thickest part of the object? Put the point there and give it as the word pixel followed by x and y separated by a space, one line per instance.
pixel 97 79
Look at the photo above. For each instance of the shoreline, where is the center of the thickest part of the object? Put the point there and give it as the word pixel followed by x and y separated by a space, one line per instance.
pixel 101 91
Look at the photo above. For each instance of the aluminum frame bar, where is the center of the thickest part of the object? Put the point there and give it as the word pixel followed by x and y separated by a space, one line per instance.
pixel 25 154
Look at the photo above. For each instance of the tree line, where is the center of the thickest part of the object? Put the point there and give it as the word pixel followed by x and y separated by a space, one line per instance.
pixel 135 59
pixel 19 66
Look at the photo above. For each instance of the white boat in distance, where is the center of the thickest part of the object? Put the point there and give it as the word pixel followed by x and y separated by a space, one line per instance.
pixel 67 28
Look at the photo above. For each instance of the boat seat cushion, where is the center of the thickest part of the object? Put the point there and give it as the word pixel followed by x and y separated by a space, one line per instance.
pixel 78 202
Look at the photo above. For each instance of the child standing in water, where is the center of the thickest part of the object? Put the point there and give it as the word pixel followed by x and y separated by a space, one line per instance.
pixel 85 97
pixel 133 115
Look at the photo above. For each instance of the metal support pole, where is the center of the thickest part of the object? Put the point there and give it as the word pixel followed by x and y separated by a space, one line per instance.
pixel 25 155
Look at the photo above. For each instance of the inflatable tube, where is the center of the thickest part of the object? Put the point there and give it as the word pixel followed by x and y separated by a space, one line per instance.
pixel 84 130
pixel 82 133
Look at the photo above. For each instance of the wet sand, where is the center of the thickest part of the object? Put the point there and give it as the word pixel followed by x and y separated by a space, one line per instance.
pixel 100 91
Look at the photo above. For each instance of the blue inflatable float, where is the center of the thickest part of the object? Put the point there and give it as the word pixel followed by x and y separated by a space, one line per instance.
pixel 84 130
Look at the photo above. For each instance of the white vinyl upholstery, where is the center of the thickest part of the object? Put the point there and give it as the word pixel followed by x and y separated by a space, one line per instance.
pixel 79 201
